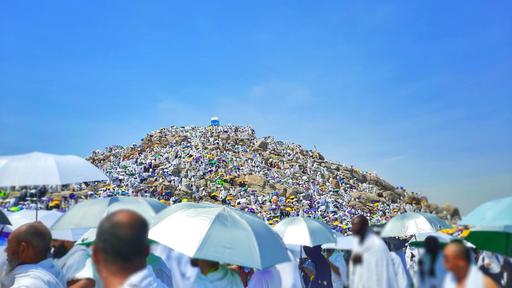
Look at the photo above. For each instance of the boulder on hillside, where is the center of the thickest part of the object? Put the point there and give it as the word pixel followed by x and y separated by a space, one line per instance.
pixel 452 212
pixel 316 155
pixel 363 196
pixel 376 181
pixel 358 205
pixel 434 208
pixel 255 181
pixel 261 144
pixel 413 199
pixel 391 196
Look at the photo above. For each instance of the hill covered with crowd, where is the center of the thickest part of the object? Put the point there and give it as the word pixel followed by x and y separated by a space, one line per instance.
pixel 274 179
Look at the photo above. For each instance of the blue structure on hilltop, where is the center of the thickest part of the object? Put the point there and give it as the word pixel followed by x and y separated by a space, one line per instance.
pixel 214 121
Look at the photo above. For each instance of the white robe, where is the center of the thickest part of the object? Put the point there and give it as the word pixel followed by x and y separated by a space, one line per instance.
pixel 183 273
pixel 160 269
pixel 143 278
pixel 222 278
pixel 401 276
pixel 3 261
pixel 88 271
pixel 474 279
pixel 41 275
pixel 74 262
pixel 339 281
pixel 266 278
pixel 289 273
pixel 376 269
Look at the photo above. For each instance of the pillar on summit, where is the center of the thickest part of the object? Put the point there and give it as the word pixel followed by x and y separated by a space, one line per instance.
pixel 214 121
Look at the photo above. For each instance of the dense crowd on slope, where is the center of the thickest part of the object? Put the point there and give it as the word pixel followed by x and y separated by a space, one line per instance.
pixel 228 164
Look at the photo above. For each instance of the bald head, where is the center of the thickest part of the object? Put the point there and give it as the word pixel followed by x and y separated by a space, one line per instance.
pixel 122 238
pixel 457 258
pixel 28 244
pixel 37 236
pixel 456 249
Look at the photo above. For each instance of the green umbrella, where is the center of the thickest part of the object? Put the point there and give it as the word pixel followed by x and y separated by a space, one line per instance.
pixel 496 239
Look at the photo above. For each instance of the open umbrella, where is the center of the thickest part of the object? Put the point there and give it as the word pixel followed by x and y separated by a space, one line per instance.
pixel 46 169
pixel 492 213
pixel 418 240
pixel 342 243
pixel 47 217
pixel 304 231
pixel 88 214
pixel 219 233
pixel 411 223
pixel 496 239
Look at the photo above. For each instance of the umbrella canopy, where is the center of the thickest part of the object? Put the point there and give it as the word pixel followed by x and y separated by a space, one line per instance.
pixel 492 213
pixel 411 223
pixel 492 238
pixel 304 231
pixel 88 237
pixel 418 240
pixel 46 169
pixel 3 219
pixel 88 214
pixel 342 243
pixel 219 233
pixel 47 217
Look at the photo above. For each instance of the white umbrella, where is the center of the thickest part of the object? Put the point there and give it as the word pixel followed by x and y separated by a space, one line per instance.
pixel 492 213
pixel 304 231
pixel 411 223
pixel 443 238
pixel 46 169
pixel 88 214
pixel 342 243
pixel 47 217
pixel 219 233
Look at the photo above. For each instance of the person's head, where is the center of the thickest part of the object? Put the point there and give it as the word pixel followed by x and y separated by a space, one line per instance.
pixel 205 266
pixel 61 247
pixel 432 245
pixel 121 246
pixel 28 244
pixel 457 258
pixel 359 225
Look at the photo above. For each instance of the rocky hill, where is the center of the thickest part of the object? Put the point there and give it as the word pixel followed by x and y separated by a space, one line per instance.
pixel 228 163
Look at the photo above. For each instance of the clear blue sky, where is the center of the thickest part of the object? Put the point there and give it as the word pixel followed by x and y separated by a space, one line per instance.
pixel 419 91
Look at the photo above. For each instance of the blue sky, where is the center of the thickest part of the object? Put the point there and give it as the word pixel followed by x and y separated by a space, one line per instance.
pixel 419 91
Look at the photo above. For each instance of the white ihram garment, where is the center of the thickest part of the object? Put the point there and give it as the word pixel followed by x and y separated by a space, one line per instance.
pixel 376 269
pixel 41 275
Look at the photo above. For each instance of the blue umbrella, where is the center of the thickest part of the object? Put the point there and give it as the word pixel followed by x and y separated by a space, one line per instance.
pixel 492 213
